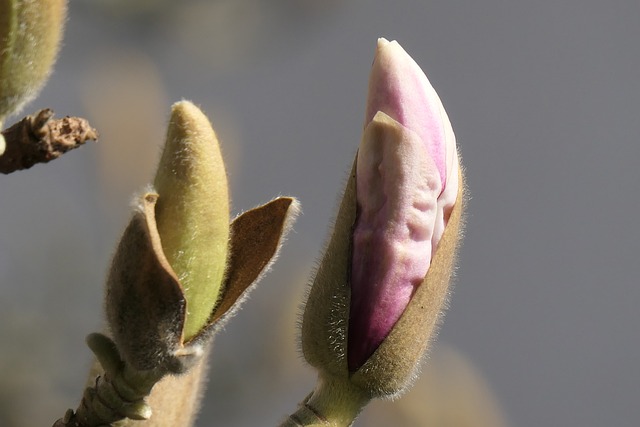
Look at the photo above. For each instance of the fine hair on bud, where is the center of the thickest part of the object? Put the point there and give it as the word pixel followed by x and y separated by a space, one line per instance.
pixel 30 35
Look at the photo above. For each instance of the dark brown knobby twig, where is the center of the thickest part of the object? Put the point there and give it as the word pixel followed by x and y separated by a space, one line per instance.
pixel 39 138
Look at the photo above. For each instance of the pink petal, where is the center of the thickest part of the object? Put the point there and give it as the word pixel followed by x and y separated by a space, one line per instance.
pixel 403 203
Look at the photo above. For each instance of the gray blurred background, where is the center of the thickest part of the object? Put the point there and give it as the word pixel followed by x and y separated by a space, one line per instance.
pixel 544 99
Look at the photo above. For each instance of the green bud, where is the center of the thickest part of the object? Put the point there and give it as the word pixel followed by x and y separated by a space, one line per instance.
pixel 181 270
pixel 146 310
pixel 30 34
pixel 179 259
pixel 192 212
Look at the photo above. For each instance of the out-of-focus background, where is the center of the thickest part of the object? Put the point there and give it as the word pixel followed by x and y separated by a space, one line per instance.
pixel 544 98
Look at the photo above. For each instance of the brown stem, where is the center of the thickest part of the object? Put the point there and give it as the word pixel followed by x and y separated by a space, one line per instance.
pixel 39 139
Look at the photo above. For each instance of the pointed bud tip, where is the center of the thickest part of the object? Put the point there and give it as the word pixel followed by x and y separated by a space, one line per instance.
pixel 188 124
pixel 192 153
pixel 186 111
pixel 399 88
pixel 382 42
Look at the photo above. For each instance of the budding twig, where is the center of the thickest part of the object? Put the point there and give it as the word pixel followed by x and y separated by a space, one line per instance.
pixel 39 138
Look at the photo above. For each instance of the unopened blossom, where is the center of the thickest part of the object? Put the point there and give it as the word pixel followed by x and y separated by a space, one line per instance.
pixel 383 281
pixel 407 183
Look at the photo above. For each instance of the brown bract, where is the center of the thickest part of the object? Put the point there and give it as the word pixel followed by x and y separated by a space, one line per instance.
pixel 146 306
pixel 146 310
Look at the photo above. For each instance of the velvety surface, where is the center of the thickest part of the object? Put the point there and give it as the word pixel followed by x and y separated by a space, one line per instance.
pixel 544 100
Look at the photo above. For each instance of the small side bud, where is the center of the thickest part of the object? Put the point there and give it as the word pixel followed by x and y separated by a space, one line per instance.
pixel 30 34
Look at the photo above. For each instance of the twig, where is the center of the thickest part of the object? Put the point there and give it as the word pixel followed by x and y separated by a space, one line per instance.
pixel 39 139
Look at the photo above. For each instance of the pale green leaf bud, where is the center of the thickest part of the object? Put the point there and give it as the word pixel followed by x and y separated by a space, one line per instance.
pixel 178 260
pixel 30 34
pixel 181 270
pixel 192 212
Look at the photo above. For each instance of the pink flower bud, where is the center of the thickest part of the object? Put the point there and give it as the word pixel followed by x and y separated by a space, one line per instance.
pixel 406 187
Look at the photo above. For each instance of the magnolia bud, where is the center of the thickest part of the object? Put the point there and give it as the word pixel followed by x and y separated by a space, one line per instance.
pixel 383 281
pixel 30 34
pixel 406 156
